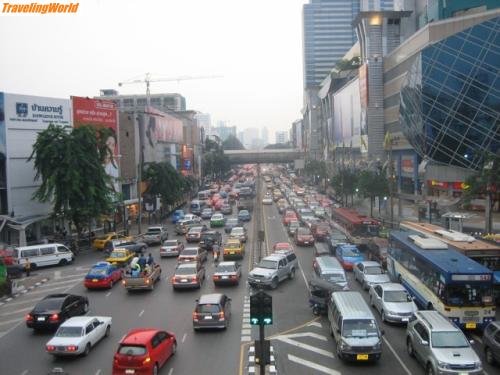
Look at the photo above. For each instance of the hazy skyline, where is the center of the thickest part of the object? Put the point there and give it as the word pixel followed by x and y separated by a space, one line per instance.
pixel 256 46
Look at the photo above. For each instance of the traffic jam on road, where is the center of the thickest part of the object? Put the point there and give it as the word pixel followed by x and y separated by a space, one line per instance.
pixel 346 299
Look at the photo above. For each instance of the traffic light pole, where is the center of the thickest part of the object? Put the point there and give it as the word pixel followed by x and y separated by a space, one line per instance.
pixel 262 339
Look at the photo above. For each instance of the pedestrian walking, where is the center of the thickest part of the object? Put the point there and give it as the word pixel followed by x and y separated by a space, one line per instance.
pixel 27 266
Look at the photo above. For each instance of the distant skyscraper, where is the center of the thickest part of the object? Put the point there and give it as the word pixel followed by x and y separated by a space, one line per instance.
pixel 250 135
pixel 241 137
pixel 223 131
pixel 205 122
pixel 367 5
pixel 281 137
pixel 327 36
pixel 264 135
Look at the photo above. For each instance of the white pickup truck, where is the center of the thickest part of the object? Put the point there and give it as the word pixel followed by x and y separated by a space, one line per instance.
pixel 155 234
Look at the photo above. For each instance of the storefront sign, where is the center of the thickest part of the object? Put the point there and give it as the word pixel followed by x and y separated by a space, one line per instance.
pixel 36 110
pixel 459 186
pixel 439 184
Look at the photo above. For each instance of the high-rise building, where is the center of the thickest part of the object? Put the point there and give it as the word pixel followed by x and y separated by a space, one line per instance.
pixel 327 36
pixel 204 121
pixel 241 137
pixel 223 131
pixel 264 135
pixel 162 102
pixel 281 137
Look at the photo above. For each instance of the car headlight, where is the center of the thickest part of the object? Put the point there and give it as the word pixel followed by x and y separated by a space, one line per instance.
pixel 344 346
pixel 478 365
pixel 443 365
pixel 377 346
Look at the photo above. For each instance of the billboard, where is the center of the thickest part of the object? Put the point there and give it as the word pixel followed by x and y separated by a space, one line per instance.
pixel 347 116
pixel 99 114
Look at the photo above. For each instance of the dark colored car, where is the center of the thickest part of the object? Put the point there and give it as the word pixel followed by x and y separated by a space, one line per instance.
pixel 292 227
pixel 209 238
pixel 230 224
pixel 376 250
pixel 320 231
pixel 212 311
pixel 206 213
pixel 144 351
pixel 304 237
pixel 194 234
pixel 244 215
pixel 135 246
pixel 334 239
pixel 54 309
pixel 227 273
pixel 491 341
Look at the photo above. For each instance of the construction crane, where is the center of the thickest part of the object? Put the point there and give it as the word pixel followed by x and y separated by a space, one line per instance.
pixel 148 78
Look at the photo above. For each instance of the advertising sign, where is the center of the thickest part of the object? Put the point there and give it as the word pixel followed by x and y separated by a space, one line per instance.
pixel 99 114
pixel 347 116
pixel 163 127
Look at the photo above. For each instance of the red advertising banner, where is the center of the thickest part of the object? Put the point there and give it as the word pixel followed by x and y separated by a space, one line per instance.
pixel 100 113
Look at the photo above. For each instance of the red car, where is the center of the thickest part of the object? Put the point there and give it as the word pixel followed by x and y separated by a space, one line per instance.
pixel 102 275
pixel 304 237
pixel 282 246
pixel 320 231
pixel 289 216
pixel 7 254
pixel 144 351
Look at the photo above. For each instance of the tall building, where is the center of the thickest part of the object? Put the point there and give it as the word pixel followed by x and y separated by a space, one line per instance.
pixel 223 131
pixel 327 36
pixel 281 137
pixel 241 137
pixel 162 102
pixel 250 135
pixel 264 135
pixel 205 122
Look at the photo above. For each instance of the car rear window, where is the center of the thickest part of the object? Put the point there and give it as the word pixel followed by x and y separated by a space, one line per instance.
pixel 69 332
pixel 171 243
pixel 208 308
pixel 185 271
pixel 154 230
pixel 49 304
pixel 132 350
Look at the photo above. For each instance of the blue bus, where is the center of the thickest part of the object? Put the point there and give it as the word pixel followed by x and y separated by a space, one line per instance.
pixel 442 279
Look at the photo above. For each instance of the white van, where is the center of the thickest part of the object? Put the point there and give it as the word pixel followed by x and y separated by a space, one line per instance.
pixel 44 255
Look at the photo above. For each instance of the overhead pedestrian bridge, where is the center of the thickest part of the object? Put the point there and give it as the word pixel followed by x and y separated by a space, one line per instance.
pixel 288 155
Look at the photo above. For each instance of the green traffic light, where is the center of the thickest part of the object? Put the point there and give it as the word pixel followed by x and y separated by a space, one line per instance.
pixel 268 321
pixel 254 321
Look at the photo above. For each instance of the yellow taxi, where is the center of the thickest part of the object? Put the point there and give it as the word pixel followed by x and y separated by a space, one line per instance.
pixel 234 248
pixel 100 242
pixel 120 257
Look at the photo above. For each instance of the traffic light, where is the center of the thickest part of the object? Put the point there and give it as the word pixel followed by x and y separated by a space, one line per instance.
pixel 255 315
pixel 267 310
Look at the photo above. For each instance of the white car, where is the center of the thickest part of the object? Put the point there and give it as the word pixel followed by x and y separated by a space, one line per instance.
pixel 193 217
pixel 370 273
pixel 267 200
pixel 78 335
pixel 393 302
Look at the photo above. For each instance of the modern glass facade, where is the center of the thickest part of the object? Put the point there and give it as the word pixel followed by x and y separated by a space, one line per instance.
pixel 450 98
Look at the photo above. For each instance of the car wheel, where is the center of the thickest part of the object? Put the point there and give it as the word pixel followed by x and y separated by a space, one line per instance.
pixel 490 359
pixel 174 347
pixel 331 330
pixel 371 301
pixel 291 275
pixel 155 369
pixel 430 306
pixel 429 370
pixel 110 285
pixel 382 314
pixel 87 350
pixel 316 310
pixel 63 262
pixel 86 308
pixel 108 330
pixel 274 283
pixel 409 347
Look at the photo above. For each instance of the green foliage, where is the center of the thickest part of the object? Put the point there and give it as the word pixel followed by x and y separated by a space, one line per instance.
pixel 165 181
pixel 69 165
pixel 344 182
pixel 215 163
pixel 316 168
pixel 373 184
pixel 486 179
pixel 342 64
pixel 232 143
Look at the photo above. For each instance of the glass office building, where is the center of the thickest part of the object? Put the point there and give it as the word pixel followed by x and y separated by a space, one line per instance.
pixel 450 98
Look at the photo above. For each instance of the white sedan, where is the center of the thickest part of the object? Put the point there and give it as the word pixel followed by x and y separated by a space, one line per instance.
pixel 267 200
pixel 78 335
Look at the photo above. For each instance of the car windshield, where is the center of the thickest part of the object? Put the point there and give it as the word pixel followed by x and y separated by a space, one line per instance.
pixel 153 230
pixel 115 254
pixel 225 268
pixel 350 252
pixel 396 296
pixel 185 271
pixel 237 231
pixel 232 245
pixel 232 222
pixel 98 271
pixel 374 270
pixel 217 217
pixel 453 339
pixel 334 277
pixel 69 332
pixel 195 230
pixel 132 350
pixel 271 264
pixel 49 304
pixel 466 295
pixel 359 328
pixel 243 213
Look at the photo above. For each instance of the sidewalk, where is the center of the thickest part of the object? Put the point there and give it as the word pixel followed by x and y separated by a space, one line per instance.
pixel 23 285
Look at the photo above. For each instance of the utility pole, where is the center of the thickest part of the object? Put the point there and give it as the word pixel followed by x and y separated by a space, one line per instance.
pixel 139 170
pixel 391 173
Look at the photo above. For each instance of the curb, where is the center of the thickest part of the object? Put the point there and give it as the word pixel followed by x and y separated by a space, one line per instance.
pixel 22 291
pixel 271 369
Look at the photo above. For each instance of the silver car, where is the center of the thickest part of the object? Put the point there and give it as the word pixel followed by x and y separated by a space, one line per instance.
pixel 440 346
pixel 393 302
pixel 370 273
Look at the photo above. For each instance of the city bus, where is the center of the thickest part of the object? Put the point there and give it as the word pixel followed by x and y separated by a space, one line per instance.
pixel 483 252
pixel 358 228
pixel 442 279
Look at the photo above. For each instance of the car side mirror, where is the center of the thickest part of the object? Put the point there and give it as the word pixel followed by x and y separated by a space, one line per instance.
pixel 424 342
pixel 471 342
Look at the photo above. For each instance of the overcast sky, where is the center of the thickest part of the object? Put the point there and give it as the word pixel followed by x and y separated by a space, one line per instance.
pixel 255 44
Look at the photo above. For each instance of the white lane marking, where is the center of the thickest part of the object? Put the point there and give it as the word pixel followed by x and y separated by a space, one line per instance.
pixel 23 302
pixel 45 291
pixel 397 356
pixel 303 334
pixel 246 332
pixel 62 282
pixel 305 346
pixel 16 311
pixel 316 324
pixel 98 372
pixel 74 276
pixel 24 372
pixel 246 338
pixel 171 371
pixel 312 365
pixel 108 294
pixel 140 314
pixel 184 337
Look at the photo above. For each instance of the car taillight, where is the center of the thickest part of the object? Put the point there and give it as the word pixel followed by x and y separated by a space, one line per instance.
pixel 194 279
pixel 173 279
pixel 54 317
pixel 51 348
pixel 147 360
pixel 233 277
pixel 216 277
pixel 195 316
pixel 72 348
pixel 28 317
pixel 124 282
pixel 221 315
pixel 146 280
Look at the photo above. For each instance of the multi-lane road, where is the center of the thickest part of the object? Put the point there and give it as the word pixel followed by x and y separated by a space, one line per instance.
pixel 301 341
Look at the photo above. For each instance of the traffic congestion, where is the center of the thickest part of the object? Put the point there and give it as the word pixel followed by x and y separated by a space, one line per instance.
pixel 406 303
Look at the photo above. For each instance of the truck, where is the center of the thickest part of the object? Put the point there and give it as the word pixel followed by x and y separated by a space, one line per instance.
pixel 245 203
pixel 143 280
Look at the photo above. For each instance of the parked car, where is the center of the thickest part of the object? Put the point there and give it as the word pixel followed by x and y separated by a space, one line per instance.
pixel 393 302
pixel 155 234
pixel 177 215
pixel 491 342
pixel 440 346
pixel 212 311
pixel 144 351
pixel 348 256
pixel 303 237
pixel 227 273
pixel 76 336
pixel 171 248
pixel 244 215
pixel 188 275
pixel 273 269
pixel 102 275
pixel 231 223
pixel 369 273
pixel 55 309
pixel 192 254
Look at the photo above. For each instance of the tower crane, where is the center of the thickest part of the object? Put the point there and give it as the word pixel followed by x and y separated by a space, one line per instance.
pixel 148 78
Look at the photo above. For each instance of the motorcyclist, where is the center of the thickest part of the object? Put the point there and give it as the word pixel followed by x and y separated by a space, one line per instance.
pixel 216 251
